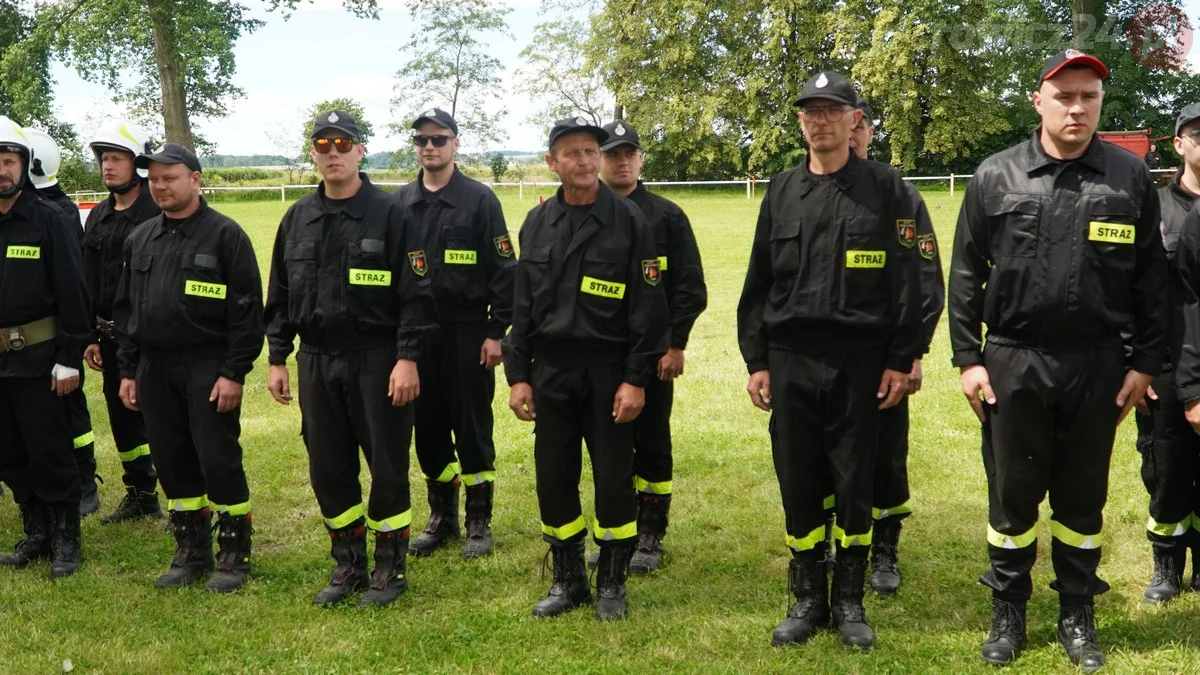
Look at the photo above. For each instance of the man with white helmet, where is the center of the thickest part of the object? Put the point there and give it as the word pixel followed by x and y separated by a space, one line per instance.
pixel 43 175
pixel 43 329
pixel 108 225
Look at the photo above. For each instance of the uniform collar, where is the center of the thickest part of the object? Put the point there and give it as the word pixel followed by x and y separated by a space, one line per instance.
pixel 187 226
pixel 1177 190
pixel 142 209
pixel 602 209
pixel 24 204
pixel 449 193
pixel 352 206
pixel 1036 157
pixel 844 177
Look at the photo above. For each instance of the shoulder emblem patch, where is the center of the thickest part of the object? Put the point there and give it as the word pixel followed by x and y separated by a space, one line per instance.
pixel 650 272
pixel 906 231
pixel 504 247
pixel 927 245
pixel 417 260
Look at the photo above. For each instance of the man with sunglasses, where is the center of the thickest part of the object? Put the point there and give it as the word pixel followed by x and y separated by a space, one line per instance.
pixel 589 326
pixel 829 325
pixel 891 505
pixel 1170 449
pixel 1059 251
pixel 472 264
pixel 348 275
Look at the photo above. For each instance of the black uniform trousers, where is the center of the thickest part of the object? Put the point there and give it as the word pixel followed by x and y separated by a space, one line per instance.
pixel 454 410
pixel 1051 430
pixel 574 405
pixel 36 454
pixel 891 465
pixel 345 406
pixel 128 427
pixel 1170 452
pixel 825 429
pixel 79 424
pixel 195 448
pixel 652 462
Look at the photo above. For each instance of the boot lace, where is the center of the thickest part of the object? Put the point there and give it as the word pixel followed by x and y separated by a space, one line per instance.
pixel 1006 620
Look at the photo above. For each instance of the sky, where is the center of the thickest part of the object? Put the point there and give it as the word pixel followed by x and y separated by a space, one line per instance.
pixel 286 66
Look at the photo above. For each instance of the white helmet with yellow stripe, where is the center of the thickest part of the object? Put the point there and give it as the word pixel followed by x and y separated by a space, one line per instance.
pixel 47 157
pixel 124 136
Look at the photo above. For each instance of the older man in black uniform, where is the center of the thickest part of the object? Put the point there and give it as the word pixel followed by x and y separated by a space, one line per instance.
pixel 829 326
pixel 189 310
pixel 683 279
pixel 348 275
pixel 891 503
pixel 472 264
pixel 43 329
pixel 589 326
pixel 1059 251
pixel 1170 450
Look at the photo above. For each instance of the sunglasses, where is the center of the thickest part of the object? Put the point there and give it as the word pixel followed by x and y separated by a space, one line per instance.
pixel 438 140
pixel 324 145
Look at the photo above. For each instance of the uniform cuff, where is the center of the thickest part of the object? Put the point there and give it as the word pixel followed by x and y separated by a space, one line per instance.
pixel 1152 367
pixel 967 357
pixel 496 331
pixel 238 375
pixel 755 366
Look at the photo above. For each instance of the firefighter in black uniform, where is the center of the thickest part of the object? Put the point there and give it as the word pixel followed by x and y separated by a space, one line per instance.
pixel 683 280
pixel 1170 451
pixel 829 326
pixel 128 205
pixel 1058 250
pixel 43 175
pixel 472 264
pixel 891 503
pixel 43 329
pixel 348 275
pixel 189 311
pixel 589 326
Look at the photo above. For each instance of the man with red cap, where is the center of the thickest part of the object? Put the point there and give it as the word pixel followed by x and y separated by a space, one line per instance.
pixel 1058 251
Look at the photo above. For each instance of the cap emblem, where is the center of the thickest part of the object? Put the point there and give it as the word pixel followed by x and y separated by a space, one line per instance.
pixel 822 81
pixel 620 130
pixel 430 113
pixel 333 117
pixel 1072 53
pixel 581 122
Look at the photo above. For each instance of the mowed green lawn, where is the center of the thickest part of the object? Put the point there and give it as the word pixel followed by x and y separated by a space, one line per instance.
pixel 711 609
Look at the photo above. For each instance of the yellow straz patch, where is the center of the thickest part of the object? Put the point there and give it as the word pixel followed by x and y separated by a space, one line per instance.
pixel 662 263
pixel 869 260
pixel 1111 233
pixel 370 277
pixel 25 252
pixel 604 289
pixel 454 257
pixel 204 289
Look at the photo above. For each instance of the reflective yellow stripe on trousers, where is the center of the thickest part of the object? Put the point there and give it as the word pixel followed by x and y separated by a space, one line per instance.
pixel 448 473
pixel 1012 541
pixel 189 503
pixel 660 488
pixel 808 542
pixel 397 522
pixel 349 516
pixel 84 439
pixel 1170 529
pixel 567 531
pixel 233 509
pixel 1072 538
pixel 478 478
pixel 880 514
pixel 848 540
pixel 142 450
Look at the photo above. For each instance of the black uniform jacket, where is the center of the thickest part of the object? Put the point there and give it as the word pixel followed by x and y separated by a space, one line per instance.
pixel 190 291
pixel 104 236
pixel 1183 249
pixel 471 260
pixel 69 208
pixel 349 275
pixel 1176 203
pixel 833 267
pixel 41 276
pixel 1056 255
pixel 592 298
pixel 678 261
pixel 933 283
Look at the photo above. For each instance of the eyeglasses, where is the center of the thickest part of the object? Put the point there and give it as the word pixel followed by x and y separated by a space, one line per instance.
pixel 1194 134
pixel 438 140
pixel 324 145
pixel 832 113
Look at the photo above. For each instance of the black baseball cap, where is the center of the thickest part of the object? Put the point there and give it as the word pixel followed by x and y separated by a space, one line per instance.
pixel 571 125
pixel 620 132
pixel 339 120
pixel 1069 58
pixel 827 85
pixel 868 115
pixel 1190 113
pixel 439 117
pixel 169 154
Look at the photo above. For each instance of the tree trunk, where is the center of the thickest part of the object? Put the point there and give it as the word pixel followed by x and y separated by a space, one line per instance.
pixel 1085 21
pixel 170 74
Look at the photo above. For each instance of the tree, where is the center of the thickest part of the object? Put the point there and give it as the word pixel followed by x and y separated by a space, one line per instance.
pixel 499 165
pixel 295 159
pixel 557 75
pixel 25 85
pixel 451 68
pixel 350 105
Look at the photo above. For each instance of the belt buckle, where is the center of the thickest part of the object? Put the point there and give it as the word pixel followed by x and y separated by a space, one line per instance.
pixel 16 339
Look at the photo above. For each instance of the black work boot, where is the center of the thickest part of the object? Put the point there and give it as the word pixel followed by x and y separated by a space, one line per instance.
pixel 885 570
pixel 136 504
pixel 66 545
pixel 390 577
pixel 443 518
pixel 610 579
pixel 479 520
pixel 35 517
pixel 348 547
pixel 570 587
pixel 89 494
pixel 846 598
pixel 1077 632
pixel 808 581
pixel 1007 638
pixel 1167 581
pixel 233 553
pixel 193 548
pixel 653 515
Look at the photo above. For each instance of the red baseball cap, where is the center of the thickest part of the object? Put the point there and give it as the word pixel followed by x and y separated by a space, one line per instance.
pixel 1068 58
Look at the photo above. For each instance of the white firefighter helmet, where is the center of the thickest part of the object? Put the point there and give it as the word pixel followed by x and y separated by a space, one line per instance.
pixel 13 139
pixel 121 135
pixel 47 157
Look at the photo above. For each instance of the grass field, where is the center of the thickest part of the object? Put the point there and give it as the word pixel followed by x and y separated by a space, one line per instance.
pixel 711 609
